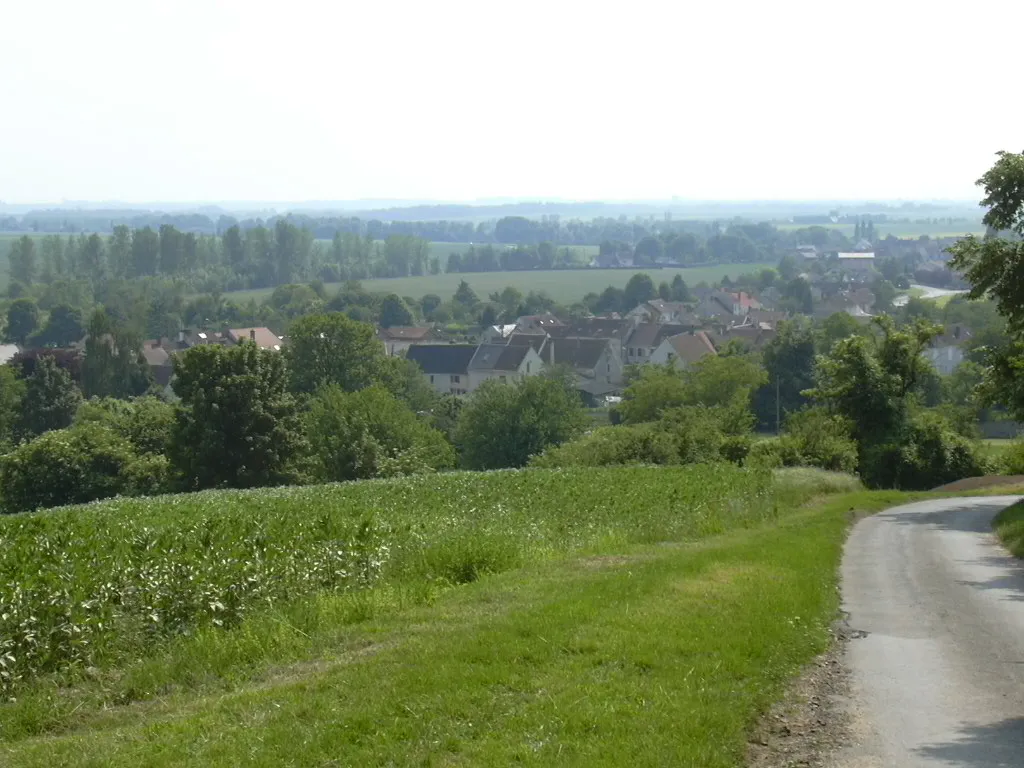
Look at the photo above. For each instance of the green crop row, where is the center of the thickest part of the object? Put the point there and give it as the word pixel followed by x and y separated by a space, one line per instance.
pixel 87 586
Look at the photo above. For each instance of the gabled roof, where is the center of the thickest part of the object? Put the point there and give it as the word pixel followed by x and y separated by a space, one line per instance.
pixel 594 328
pixel 499 357
pixel 691 347
pixel 535 340
pixel 651 334
pixel 574 352
pixel 442 358
pixel 405 333
pixel 155 353
pixel 264 337
pixel 546 320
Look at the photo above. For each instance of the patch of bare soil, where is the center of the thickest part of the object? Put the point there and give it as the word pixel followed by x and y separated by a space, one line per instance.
pixel 812 721
pixel 977 483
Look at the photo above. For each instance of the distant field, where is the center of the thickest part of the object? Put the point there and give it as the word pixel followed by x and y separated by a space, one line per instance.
pixel 562 285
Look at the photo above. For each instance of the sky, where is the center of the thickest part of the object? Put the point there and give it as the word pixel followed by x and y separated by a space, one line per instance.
pixel 210 100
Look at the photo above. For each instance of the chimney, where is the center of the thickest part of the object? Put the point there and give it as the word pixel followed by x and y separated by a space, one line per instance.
pixel 252 334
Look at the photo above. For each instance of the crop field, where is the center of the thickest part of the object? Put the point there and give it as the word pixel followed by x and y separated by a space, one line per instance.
pixel 600 617
pixel 565 286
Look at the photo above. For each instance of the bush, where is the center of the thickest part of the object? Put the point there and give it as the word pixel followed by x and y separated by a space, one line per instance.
pixel 146 422
pixel 736 448
pixel 816 438
pixel 764 454
pixel 370 433
pixel 66 466
pixel 929 454
pixel 608 446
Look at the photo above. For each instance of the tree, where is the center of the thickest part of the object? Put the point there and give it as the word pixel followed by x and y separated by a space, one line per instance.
pixel 428 304
pixel 22 259
pixel 22 320
pixel 370 433
pixel 648 250
pixel 332 349
pixel 51 399
pixel 680 291
pixel 12 393
pixel 113 365
pixel 789 268
pixel 145 422
pixel 145 252
pixel 835 328
pixel 63 327
pixel 237 425
pixel 503 425
pixel 789 363
pixel 797 297
pixel 664 291
pixel 393 311
pixel 465 295
pixel 638 290
pixel 884 292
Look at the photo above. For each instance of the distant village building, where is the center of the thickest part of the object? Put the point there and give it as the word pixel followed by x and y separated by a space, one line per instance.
pixel 397 339
pixel 445 366
pixel 684 349
pixel 948 350
pixel 856 261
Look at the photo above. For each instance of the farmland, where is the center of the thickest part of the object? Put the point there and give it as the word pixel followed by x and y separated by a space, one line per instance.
pixel 613 616
pixel 564 286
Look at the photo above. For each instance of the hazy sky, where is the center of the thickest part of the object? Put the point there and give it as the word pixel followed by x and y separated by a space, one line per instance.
pixel 140 100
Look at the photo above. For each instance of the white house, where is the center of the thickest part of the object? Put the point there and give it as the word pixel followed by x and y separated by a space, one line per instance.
pixel 445 366
pixel 645 338
pixel 947 351
pixel 661 311
pixel 505 362
pixel 857 261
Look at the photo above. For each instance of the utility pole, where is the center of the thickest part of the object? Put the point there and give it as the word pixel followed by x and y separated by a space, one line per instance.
pixel 778 425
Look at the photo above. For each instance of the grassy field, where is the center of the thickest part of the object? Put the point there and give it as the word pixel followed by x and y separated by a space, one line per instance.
pixel 564 286
pixel 1009 525
pixel 641 616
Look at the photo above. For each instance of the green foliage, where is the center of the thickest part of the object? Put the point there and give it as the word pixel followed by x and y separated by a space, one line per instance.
pixel 358 435
pixel 652 389
pixel 63 327
pixel 405 380
pixel 1009 525
pixel 639 289
pixel 503 425
pixel 50 400
pixel 64 466
pixel 88 586
pixel 237 425
pixel 817 438
pixel 146 422
pixel 613 446
pixel 394 311
pixel 928 453
pixel 12 393
pixel 22 320
pixel 113 365
pixel 1011 462
pixel 789 364
pixel 332 349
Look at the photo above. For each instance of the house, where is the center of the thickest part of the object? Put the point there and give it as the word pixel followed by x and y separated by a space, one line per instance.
pixel 157 353
pixel 495 334
pixel 947 351
pixel 807 252
pixel 856 262
pixel 614 329
pixel 661 311
pixel 505 362
pixel 684 349
pixel 723 303
pixel 445 366
pixel 612 260
pixel 7 352
pixel 645 338
pixel 766 316
pixel 595 362
pixel 535 323
pixel 264 338
pixel 751 335
pixel 397 339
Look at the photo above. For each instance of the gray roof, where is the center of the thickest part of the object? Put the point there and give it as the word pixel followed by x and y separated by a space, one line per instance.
pixel 594 328
pixel 499 357
pixel 651 334
pixel 442 358
pixel 575 352
pixel 535 340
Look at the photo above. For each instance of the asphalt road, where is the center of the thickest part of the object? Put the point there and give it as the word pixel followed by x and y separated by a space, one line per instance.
pixel 938 673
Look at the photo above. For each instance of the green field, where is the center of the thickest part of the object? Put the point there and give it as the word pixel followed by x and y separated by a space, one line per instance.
pixel 564 286
pixel 642 616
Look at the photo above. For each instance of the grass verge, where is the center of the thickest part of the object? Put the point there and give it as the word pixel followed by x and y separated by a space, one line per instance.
pixel 1009 525
pixel 656 653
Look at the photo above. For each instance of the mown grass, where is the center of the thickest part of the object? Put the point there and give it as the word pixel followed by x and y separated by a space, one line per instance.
pixel 1009 526
pixel 654 653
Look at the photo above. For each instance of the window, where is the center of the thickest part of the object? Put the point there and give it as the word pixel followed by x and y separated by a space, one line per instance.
pixel 528 367
pixel 431 378
pixel 455 378
pixel 630 351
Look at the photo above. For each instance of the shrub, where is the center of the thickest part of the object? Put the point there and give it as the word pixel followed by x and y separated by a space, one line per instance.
pixel 764 454
pixel 929 454
pixel 370 433
pixel 736 448
pixel 146 422
pixel 66 466
pixel 607 446
pixel 1011 460
pixel 816 438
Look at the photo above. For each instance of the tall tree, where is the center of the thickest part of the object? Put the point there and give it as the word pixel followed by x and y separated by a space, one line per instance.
pixel 22 258
pixel 639 289
pixel 332 349
pixel 237 425
pixel 22 320
pixel 51 398
pixel 113 365
pixel 63 327
pixel 393 311
pixel 145 252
